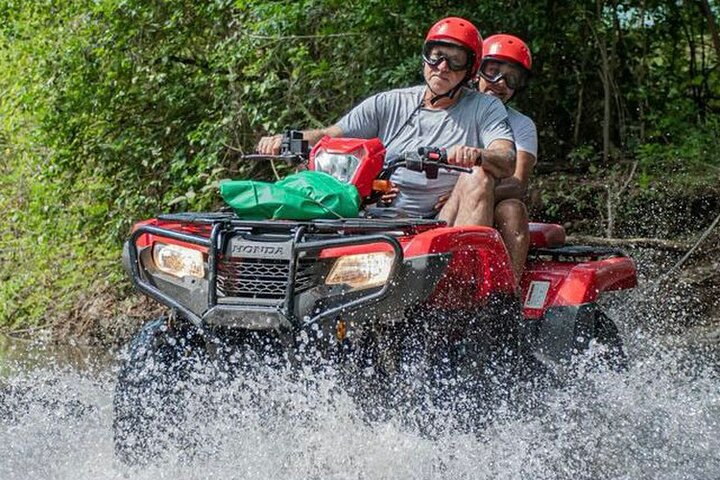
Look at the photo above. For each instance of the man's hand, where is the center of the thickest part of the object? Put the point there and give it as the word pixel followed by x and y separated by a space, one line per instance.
pixel 465 156
pixel 498 159
pixel 441 202
pixel 388 197
pixel 270 145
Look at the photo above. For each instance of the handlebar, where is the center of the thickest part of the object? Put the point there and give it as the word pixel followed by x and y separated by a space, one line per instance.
pixel 426 159
pixel 295 150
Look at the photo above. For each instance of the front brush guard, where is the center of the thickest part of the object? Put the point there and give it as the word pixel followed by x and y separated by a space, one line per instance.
pixel 215 243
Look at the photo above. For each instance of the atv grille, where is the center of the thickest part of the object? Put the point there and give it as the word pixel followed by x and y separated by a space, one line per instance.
pixel 254 278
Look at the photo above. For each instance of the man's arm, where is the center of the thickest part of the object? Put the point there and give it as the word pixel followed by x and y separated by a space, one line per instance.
pixel 498 159
pixel 271 145
pixel 517 185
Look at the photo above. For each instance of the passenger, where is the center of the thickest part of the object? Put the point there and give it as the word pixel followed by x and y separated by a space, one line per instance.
pixel 504 72
pixel 441 113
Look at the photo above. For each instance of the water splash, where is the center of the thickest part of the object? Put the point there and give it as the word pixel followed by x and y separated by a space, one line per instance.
pixel 661 419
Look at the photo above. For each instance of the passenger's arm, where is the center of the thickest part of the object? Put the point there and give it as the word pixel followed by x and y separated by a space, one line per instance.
pixel 271 145
pixel 517 185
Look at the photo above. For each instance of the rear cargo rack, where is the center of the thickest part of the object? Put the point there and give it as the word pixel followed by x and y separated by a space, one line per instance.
pixel 577 251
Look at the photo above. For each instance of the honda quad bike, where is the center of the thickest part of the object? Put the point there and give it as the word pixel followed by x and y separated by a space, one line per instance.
pixel 369 293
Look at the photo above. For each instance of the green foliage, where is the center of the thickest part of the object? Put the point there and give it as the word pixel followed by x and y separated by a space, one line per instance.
pixel 48 253
pixel 687 152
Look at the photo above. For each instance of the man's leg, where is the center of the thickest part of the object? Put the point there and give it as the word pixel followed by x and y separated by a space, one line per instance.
pixel 472 200
pixel 511 219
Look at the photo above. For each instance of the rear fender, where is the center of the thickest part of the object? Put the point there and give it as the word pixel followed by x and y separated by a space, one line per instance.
pixel 547 284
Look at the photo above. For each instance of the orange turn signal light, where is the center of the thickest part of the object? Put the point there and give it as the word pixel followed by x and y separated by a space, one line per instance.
pixel 382 185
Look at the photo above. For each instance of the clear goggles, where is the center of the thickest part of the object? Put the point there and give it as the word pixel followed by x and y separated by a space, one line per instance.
pixel 495 70
pixel 457 58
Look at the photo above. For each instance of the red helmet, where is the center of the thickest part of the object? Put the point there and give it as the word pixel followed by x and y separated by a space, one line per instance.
pixel 507 48
pixel 460 31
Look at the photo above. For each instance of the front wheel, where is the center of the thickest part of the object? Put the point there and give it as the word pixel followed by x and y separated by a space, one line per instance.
pixel 148 404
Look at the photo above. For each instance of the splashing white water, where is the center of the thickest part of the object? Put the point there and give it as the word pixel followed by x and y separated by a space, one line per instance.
pixel 659 420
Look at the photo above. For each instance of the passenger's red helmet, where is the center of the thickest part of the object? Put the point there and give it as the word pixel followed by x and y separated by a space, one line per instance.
pixel 507 48
pixel 460 31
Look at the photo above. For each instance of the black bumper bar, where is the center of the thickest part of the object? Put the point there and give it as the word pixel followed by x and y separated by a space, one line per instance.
pixel 215 244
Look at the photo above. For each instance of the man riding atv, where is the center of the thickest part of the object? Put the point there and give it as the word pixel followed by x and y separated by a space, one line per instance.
pixel 473 128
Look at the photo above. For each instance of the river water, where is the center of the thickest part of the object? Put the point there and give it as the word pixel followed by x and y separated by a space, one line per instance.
pixel 658 420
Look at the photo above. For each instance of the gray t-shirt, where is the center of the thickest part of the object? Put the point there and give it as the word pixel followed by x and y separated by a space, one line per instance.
pixel 476 120
pixel 524 131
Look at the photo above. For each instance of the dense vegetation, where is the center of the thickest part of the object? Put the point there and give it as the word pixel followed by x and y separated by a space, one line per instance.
pixel 113 110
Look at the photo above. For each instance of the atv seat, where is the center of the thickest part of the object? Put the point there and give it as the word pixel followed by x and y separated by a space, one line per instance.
pixel 544 235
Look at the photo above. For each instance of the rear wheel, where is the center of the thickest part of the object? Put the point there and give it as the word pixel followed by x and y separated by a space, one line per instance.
pixel 607 335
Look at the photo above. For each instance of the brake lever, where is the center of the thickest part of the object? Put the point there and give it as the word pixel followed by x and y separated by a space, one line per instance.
pixel 294 150
pixel 456 168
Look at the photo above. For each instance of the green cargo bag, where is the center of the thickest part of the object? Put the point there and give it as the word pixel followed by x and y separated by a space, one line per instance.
pixel 305 195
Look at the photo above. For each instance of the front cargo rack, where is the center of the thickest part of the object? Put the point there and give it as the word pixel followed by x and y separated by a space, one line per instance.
pixel 346 225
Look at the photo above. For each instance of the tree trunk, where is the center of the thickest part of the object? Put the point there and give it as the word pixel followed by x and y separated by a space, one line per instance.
pixel 607 101
pixel 605 73
pixel 578 115
pixel 712 26
pixel 641 73
pixel 695 89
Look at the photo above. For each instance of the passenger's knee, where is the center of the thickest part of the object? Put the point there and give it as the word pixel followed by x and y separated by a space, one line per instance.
pixel 511 209
pixel 512 213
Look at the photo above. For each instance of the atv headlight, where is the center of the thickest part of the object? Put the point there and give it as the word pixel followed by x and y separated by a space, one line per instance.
pixel 361 271
pixel 178 261
pixel 340 165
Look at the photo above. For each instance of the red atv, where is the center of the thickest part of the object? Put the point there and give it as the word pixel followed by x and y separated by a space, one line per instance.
pixel 363 291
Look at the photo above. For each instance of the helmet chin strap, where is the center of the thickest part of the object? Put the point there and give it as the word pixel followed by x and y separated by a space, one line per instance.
pixel 449 94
